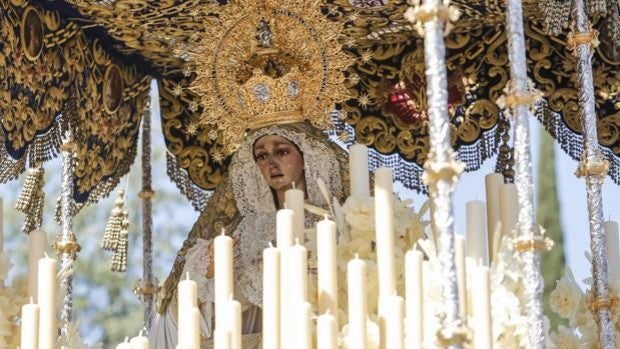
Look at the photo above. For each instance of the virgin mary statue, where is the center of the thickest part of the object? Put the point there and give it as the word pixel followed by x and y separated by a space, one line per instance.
pixel 270 74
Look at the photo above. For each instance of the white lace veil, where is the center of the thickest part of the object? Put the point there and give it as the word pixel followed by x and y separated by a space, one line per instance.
pixel 256 204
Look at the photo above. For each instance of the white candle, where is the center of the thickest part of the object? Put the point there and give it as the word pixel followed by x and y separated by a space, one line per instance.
pixel 30 326
pixel 476 232
pixel 493 183
pixel 221 339
pixel 223 275
pixel 194 327
pixel 395 313
pixel 481 308
pixel 47 302
pixel 284 228
pixel 271 297
pixel 188 293
pixel 284 235
pixel 613 246
pixel 139 342
pixel 124 345
pixel 414 297
pixel 187 300
pixel 303 327
pixel 429 310
pixel 37 242
pixel 294 199
pixel 327 332
pixel 327 268
pixel 298 273
pixel 384 227
pixel 358 169
pixel 234 324
pixel 509 207
pixel 356 289
pixel 461 274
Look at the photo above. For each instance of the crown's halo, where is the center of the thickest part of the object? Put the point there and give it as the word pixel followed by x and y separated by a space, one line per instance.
pixel 269 62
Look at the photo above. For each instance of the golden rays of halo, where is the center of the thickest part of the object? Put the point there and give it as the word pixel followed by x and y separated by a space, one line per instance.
pixel 301 34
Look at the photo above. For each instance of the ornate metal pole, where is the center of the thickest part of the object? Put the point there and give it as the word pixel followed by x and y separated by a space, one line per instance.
pixel 66 244
pixel 530 240
pixel 148 286
pixel 441 169
pixel 594 168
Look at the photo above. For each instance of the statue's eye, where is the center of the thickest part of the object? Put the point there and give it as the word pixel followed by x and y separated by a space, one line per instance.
pixel 262 156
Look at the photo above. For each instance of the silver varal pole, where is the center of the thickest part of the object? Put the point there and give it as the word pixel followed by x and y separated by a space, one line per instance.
pixel 529 240
pixel 593 167
pixel 441 169
pixel 148 287
pixel 66 244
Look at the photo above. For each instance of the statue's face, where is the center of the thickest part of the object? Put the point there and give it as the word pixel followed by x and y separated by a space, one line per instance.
pixel 280 162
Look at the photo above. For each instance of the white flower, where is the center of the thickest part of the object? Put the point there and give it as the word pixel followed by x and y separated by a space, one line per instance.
pixel 566 297
pixel 372 335
pixel 360 215
pixel 565 338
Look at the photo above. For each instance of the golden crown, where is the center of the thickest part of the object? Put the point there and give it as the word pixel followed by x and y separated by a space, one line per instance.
pixel 272 100
pixel 267 62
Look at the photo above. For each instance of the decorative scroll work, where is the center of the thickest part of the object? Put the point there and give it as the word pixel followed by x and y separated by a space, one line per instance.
pixel 386 113
pixel 48 64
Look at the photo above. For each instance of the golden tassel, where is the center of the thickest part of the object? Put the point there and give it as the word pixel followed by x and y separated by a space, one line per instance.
pixel 31 199
pixel 119 259
pixel 113 227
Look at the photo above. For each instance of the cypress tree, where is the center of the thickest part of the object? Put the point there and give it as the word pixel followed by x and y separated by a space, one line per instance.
pixel 549 218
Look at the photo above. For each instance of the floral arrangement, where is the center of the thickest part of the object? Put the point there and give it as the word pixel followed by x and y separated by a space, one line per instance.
pixel 356 224
pixel 508 299
pixel 355 221
pixel 570 303
pixel 11 300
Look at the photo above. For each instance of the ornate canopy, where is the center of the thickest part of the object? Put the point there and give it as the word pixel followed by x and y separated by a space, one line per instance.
pixel 88 64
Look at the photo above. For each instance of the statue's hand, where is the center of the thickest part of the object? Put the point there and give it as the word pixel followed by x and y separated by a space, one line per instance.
pixel 210 267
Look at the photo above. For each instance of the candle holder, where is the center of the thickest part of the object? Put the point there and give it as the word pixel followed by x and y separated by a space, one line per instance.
pixel 594 169
pixel 66 243
pixel 432 19
pixel 519 100
pixel 149 287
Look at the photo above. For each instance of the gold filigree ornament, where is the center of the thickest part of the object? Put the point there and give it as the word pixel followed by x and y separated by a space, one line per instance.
pixel 597 167
pixel 532 242
pixel 598 303
pixel 267 62
pixel 420 13
pixel 574 39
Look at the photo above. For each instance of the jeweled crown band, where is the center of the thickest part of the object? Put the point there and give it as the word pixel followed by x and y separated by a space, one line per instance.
pixel 276 118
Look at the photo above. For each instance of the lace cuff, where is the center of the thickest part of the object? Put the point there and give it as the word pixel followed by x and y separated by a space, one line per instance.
pixel 197 261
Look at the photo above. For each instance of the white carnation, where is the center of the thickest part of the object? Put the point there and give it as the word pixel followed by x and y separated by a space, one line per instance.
pixel 566 297
pixel 360 215
pixel 565 338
